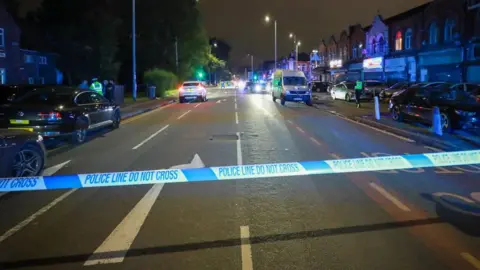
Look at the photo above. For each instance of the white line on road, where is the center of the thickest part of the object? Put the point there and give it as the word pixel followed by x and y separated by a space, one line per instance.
pixel 376 129
pixel 120 240
pixel 300 129
pixel 149 138
pixel 239 150
pixel 433 149
pixel 315 141
pixel 236 118
pixel 290 122
pixel 219 101
pixel 390 197
pixel 198 105
pixel 472 260
pixel 236 107
pixel 31 218
pixel 185 113
pixel 246 248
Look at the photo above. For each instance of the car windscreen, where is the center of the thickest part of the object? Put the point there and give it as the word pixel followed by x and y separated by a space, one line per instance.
pixel 350 86
pixel 46 98
pixel 294 81
pixel 11 93
pixel 191 84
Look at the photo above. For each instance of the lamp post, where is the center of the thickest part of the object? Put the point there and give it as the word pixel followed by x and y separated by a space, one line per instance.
pixel 296 54
pixel 134 55
pixel 267 19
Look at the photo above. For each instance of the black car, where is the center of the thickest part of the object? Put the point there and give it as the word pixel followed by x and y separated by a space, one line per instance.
pixel 417 103
pixel 388 92
pixel 319 87
pixel 57 111
pixel 9 93
pixel 22 153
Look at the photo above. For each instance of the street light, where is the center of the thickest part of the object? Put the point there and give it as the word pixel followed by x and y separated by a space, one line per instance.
pixel 296 53
pixel 134 55
pixel 267 20
pixel 215 45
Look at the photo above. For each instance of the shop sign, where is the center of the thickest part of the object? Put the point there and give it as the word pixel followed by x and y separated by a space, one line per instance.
pixel 373 63
pixel 395 65
pixel 443 57
pixel 336 64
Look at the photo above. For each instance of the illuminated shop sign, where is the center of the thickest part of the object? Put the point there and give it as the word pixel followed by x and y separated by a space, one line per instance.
pixel 336 64
pixel 373 63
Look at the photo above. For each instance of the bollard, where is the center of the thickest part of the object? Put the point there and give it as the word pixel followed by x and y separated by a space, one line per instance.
pixel 377 108
pixel 437 122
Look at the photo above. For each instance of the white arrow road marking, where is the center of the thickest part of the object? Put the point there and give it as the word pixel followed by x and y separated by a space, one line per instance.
pixel 122 237
pixel 40 212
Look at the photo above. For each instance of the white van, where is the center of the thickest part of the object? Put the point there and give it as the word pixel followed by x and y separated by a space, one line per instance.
pixel 290 85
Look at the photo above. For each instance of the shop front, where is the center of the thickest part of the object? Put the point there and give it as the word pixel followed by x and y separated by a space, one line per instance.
pixel 473 68
pixel 373 69
pixel 444 65
pixel 401 69
pixel 354 72
pixel 337 72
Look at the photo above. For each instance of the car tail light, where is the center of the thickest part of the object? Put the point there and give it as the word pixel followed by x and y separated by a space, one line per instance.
pixel 50 116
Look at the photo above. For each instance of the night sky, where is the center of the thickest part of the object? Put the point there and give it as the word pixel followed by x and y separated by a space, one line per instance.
pixel 241 23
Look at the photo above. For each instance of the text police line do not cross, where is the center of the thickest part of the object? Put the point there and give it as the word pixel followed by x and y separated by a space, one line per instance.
pixel 182 174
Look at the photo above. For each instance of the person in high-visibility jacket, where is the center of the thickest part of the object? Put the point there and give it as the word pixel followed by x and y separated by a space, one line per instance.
pixel 358 92
pixel 96 86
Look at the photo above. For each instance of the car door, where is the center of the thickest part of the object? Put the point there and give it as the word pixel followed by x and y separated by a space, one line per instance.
pixel 103 108
pixel 421 107
pixel 341 91
pixel 86 101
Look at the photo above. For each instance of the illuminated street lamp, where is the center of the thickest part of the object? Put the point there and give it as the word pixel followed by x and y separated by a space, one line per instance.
pixel 296 53
pixel 267 20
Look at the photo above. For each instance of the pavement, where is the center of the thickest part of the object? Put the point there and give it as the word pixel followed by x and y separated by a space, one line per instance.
pixel 402 219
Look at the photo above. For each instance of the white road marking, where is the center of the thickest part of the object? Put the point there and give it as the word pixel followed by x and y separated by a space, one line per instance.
pixel 219 101
pixel 246 248
pixel 433 149
pixel 290 122
pixel 149 138
pixel 181 116
pixel 390 197
pixel 315 141
pixel 472 260
pixel 31 218
pixel 236 118
pixel 122 237
pixel 198 105
pixel 300 129
pixel 239 150
pixel 376 129
pixel 236 107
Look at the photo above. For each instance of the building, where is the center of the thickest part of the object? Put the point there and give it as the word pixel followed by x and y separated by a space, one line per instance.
pixel 405 39
pixel 472 31
pixel 376 39
pixel 442 54
pixel 18 66
pixel 320 71
pixel 357 52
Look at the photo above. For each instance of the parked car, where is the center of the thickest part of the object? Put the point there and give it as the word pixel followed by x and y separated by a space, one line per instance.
pixel 22 153
pixel 346 91
pixel 388 92
pixel 374 87
pixel 456 110
pixel 317 86
pixel 58 111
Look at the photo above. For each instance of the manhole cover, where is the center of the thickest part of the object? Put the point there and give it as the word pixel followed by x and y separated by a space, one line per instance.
pixel 224 137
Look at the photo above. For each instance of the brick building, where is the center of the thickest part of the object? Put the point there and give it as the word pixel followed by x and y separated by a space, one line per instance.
pixel 320 71
pixel 357 46
pixel 472 32
pixel 18 66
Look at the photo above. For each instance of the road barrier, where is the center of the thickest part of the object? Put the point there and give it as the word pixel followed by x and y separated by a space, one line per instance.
pixel 443 159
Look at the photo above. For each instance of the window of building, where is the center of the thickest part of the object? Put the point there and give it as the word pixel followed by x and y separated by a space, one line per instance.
pixel 354 51
pixel 433 33
pixel 31 80
pixel 2 37
pixel 43 60
pixel 345 53
pixel 398 41
pixel 28 58
pixel 449 31
pixel 42 80
pixel 360 50
pixel 381 44
pixel 408 39
pixel 373 45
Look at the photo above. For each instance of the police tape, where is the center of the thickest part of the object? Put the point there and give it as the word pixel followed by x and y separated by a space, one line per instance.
pixel 255 171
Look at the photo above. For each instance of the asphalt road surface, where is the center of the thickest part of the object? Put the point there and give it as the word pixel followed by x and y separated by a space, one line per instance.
pixel 382 220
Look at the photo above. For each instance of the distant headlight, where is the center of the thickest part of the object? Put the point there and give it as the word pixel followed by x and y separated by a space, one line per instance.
pixel 258 87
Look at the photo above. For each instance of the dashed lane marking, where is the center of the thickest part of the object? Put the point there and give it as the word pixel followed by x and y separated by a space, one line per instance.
pixel 198 105
pixel 185 113
pixel 315 141
pixel 149 138
pixel 300 129
pixel 390 197
pixel 472 260
pixel 236 118
pixel 246 248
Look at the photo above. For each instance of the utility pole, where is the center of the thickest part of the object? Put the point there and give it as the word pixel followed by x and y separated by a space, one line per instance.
pixel 275 45
pixel 176 53
pixel 134 54
pixel 251 57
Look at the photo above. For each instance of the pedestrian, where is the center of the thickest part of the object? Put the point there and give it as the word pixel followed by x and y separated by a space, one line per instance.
pixel 109 89
pixel 83 85
pixel 96 86
pixel 358 92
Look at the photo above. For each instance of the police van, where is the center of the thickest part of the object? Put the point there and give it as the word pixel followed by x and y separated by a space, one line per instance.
pixel 290 85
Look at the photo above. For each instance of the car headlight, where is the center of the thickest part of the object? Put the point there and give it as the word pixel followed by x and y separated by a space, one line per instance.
pixel 257 87
pixel 39 138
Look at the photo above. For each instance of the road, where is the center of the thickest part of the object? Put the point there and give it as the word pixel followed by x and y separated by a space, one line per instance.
pixel 381 220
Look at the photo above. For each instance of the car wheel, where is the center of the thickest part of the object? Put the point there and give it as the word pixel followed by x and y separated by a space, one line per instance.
pixel 446 122
pixel 309 102
pixel 116 120
pixel 282 100
pixel 348 98
pixel 397 114
pixel 333 96
pixel 79 135
pixel 274 98
pixel 29 161
pixel 180 100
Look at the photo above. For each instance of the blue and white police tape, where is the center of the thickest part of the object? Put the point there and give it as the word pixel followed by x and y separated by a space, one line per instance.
pixel 241 172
